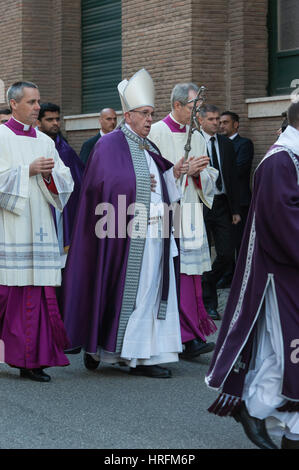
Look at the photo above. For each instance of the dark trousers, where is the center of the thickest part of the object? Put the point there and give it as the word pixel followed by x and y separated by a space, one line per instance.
pixel 238 231
pixel 239 228
pixel 219 226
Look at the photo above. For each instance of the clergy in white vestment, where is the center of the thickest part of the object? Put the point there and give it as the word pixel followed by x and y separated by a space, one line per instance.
pixel 198 186
pixel 120 298
pixel 32 177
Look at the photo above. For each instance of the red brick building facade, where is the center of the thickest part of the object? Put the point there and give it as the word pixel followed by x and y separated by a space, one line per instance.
pixel 222 44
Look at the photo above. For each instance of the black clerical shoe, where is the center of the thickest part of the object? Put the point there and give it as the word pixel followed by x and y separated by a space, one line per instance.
pixel 213 314
pixel 37 375
pixel 89 362
pixel 255 429
pixel 73 351
pixel 289 443
pixel 151 371
pixel 195 348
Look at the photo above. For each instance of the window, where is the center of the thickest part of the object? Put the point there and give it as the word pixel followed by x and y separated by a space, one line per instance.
pixel 283 20
pixel 101 54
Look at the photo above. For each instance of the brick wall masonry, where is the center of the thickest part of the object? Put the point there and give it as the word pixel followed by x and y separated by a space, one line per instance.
pixel 219 43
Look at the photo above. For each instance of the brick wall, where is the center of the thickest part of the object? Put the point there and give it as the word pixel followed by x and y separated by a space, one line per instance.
pixel 41 42
pixel 11 42
pixel 37 46
pixel 263 133
pixel 77 138
pixel 209 37
pixel 221 44
pixel 158 35
pixel 71 57
pixel 248 73
pixel 230 57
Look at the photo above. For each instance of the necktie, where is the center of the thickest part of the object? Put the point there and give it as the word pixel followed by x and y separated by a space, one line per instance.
pixel 216 164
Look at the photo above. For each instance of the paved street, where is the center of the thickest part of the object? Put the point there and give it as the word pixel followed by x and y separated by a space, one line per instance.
pixel 109 409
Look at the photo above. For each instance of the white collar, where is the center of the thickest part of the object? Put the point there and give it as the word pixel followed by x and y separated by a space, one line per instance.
pixel 26 127
pixel 290 139
pixel 208 136
pixel 179 123
pixel 129 127
pixel 233 136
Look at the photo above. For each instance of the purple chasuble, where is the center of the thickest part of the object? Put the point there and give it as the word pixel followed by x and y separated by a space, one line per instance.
pixel 269 255
pixel 95 273
pixel 71 160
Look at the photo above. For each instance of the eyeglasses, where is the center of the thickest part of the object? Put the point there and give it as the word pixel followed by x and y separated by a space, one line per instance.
pixel 145 114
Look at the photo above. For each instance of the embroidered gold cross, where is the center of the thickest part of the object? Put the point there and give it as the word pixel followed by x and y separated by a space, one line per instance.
pixel 143 146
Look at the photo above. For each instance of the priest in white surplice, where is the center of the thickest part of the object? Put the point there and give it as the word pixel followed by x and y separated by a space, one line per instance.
pixel 32 176
pixel 170 136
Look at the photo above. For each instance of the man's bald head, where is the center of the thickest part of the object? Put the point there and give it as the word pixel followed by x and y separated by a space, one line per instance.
pixel 108 120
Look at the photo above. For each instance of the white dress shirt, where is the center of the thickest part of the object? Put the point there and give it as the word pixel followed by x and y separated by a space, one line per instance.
pixel 207 138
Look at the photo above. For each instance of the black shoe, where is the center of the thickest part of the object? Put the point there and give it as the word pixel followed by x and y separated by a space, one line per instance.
pixel 195 347
pixel 255 429
pixel 289 443
pixel 151 371
pixel 89 362
pixel 73 351
pixel 37 375
pixel 213 314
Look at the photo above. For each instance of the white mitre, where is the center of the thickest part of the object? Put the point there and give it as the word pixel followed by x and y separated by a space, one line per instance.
pixel 138 91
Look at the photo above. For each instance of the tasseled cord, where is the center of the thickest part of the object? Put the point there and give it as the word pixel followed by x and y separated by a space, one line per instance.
pixel 225 405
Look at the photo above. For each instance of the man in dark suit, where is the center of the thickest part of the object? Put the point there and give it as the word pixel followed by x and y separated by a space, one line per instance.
pixel 225 212
pixel 229 126
pixel 108 121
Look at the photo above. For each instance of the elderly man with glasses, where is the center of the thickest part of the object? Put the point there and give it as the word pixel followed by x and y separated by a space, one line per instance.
pixel 120 286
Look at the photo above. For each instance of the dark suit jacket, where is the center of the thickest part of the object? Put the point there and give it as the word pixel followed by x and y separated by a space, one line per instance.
pixel 229 172
pixel 244 150
pixel 87 148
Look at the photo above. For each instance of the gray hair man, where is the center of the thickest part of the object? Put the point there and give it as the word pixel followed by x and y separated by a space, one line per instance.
pixel 198 186
pixel 32 177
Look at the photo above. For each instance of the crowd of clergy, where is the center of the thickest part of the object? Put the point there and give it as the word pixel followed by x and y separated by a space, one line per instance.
pixel 118 252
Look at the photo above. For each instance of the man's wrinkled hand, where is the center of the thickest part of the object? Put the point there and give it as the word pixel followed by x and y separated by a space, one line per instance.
pixel 180 168
pixel 197 164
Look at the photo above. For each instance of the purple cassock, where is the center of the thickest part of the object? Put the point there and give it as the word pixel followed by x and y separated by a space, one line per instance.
pixel 269 257
pixel 71 160
pixel 31 327
pixel 96 273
